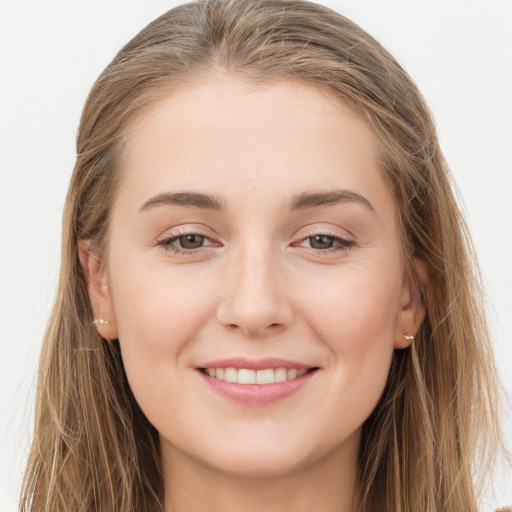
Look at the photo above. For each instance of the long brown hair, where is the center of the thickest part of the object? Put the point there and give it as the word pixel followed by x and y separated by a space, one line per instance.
pixel 93 448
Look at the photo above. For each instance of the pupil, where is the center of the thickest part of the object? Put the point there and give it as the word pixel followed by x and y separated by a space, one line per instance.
pixel 191 241
pixel 322 242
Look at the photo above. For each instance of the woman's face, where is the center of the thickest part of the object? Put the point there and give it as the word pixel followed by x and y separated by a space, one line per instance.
pixel 254 238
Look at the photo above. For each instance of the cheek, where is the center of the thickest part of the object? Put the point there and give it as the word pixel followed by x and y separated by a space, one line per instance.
pixel 356 308
pixel 355 317
pixel 158 314
pixel 160 308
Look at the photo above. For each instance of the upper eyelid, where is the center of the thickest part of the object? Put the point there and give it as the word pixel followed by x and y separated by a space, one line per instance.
pixel 194 231
pixel 325 231
pixel 346 236
pixel 178 232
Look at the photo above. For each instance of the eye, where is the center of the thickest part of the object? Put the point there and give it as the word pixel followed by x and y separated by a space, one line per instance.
pixel 185 243
pixel 326 243
pixel 322 241
pixel 192 241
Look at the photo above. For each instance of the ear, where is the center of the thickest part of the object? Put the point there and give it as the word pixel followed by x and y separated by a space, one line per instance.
pixel 412 307
pixel 98 288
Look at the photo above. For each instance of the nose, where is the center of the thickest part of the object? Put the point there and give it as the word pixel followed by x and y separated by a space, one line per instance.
pixel 254 296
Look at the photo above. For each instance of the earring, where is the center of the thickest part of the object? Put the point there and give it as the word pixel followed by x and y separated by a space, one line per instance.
pixel 100 321
pixel 407 337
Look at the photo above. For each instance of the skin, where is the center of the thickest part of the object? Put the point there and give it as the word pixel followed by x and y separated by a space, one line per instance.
pixel 260 286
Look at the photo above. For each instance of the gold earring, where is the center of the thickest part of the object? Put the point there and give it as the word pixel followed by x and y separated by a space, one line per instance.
pixel 407 337
pixel 100 321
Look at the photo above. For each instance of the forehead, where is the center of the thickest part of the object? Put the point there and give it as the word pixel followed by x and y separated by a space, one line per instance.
pixel 249 141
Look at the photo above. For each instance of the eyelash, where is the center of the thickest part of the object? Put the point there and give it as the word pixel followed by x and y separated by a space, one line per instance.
pixel 343 244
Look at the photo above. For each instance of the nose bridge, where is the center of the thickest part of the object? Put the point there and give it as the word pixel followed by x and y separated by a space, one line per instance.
pixel 253 295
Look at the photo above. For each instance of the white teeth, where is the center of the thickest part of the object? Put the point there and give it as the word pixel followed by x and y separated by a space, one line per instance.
pixel 280 374
pixel 265 376
pixel 291 374
pixel 230 375
pixel 247 376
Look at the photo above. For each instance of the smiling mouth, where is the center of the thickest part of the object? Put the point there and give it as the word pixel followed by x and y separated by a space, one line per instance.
pixel 249 376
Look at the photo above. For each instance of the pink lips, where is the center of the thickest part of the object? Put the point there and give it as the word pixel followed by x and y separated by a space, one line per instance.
pixel 256 394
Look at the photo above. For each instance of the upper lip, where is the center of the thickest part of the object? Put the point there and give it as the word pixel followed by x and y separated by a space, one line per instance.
pixel 255 364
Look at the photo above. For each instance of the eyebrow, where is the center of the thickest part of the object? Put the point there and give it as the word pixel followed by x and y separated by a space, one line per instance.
pixel 189 199
pixel 316 199
pixel 216 203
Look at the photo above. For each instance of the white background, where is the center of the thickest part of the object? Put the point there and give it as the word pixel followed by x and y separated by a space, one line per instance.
pixel 459 52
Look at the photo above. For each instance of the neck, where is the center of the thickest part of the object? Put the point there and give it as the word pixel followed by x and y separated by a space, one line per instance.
pixel 329 485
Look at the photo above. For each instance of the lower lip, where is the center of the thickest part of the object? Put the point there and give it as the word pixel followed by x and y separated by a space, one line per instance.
pixel 257 394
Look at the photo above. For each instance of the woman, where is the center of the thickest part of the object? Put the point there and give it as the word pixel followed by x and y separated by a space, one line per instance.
pixel 266 298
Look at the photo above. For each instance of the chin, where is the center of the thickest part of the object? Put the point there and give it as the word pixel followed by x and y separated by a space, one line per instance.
pixel 256 464
pixel 264 459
